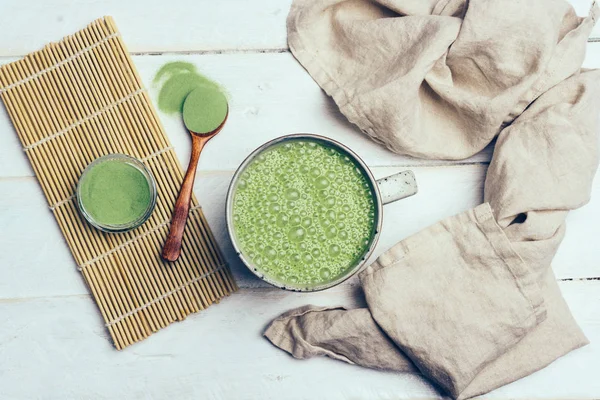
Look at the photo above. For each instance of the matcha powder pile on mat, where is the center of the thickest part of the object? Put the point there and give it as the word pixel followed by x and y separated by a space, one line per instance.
pixel 176 81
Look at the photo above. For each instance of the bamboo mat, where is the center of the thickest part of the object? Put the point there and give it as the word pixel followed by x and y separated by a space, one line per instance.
pixel 77 100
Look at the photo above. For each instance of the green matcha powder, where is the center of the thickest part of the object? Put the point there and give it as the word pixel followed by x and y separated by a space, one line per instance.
pixel 115 193
pixel 183 90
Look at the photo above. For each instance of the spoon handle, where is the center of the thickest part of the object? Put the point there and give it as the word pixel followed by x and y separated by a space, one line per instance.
pixel 172 247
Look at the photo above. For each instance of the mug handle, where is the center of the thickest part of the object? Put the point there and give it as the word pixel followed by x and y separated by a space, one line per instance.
pixel 397 186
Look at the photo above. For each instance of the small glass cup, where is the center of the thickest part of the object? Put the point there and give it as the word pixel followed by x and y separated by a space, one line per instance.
pixel 130 225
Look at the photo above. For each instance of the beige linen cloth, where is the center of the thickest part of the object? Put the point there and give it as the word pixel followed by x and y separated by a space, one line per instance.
pixel 470 302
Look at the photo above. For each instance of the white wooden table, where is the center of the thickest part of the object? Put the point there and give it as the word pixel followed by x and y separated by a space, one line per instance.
pixel 53 344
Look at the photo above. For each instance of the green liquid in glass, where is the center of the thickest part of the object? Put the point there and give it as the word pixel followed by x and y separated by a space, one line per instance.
pixel 303 213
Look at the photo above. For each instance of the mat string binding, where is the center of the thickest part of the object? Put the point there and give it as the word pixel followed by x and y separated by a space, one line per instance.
pixel 71 197
pixel 84 120
pixel 128 242
pixel 60 63
pixel 165 295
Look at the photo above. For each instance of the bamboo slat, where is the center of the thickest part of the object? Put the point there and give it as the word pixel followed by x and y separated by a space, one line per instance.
pixel 79 99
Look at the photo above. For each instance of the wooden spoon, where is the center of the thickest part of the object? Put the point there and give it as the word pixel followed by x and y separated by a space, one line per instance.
pixel 172 247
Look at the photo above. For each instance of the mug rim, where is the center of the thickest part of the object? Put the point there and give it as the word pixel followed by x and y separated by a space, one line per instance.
pixel 374 189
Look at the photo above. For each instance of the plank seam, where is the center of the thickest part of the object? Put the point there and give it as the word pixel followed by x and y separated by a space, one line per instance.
pixel 273 50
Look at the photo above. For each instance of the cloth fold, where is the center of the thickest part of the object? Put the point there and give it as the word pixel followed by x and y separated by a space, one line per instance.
pixel 470 302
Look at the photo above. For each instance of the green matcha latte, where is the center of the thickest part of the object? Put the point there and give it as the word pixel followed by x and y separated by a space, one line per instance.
pixel 303 213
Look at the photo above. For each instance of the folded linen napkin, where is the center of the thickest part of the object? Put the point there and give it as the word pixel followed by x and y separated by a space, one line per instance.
pixel 471 302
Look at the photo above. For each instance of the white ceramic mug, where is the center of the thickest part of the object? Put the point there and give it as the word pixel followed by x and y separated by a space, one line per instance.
pixel 385 190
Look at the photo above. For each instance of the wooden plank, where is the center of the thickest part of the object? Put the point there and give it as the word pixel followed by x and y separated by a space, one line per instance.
pixel 271 95
pixel 59 347
pixel 43 266
pixel 149 26
pixel 154 26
